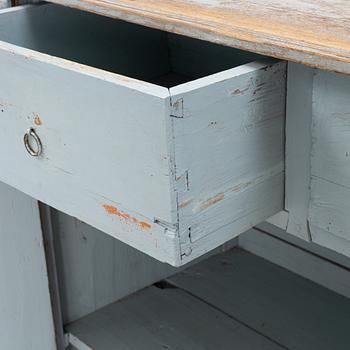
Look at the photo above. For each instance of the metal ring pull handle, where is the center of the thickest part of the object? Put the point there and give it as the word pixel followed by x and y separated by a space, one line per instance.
pixel 27 136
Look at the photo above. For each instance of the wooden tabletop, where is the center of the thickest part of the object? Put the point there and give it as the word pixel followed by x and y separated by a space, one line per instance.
pixel 312 32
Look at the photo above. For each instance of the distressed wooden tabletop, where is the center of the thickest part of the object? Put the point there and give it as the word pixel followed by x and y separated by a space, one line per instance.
pixel 312 32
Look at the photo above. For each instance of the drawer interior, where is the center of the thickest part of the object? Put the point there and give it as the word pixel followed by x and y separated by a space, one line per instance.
pixel 120 47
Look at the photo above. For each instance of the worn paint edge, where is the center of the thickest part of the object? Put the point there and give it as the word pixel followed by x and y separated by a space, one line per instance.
pixel 280 219
pixel 77 343
pixel 109 77
pixel 124 216
pixel 227 74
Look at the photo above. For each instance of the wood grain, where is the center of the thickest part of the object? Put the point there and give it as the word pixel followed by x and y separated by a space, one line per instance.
pixel 283 306
pixel 95 269
pixel 229 152
pixel 160 319
pixel 46 179
pixel 26 320
pixel 114 149
pixel 232 301
pixel 315 33
pixel 330 165
pixel 306 259
pixel 298 154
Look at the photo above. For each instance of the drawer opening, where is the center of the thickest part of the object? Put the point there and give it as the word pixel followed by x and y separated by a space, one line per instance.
pixel 120 47
pixel 174 172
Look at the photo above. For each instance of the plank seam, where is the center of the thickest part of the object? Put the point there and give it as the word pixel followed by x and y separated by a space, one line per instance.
pixel 170 284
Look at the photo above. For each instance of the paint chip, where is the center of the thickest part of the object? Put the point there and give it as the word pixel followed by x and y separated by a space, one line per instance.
pixel 110 209
pixel 237 92
pixel 37 119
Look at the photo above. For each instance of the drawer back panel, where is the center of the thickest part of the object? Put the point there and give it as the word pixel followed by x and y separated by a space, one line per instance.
pixel 197 59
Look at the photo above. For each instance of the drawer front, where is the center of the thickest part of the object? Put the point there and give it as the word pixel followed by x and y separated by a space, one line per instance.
pixel 330 162
pixel 172 172
pixel 104 145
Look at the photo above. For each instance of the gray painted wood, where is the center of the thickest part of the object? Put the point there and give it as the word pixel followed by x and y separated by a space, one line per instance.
pixel 269 300
pixel 281 305
pixel 230 134
pixel 282 30
pixel 309 246
pixel 115 45
pixel 163 319
pixel 90 162
pixel 77 344
pixel 25 309
pixel 330 166
pixel 95 269
pixel 51 263
pixel 330 240
pixel 198 58
pixel 111 151
pixel 4 4
pixel 96 41
pixel 303 258
pixel 298 147
pixel 279 220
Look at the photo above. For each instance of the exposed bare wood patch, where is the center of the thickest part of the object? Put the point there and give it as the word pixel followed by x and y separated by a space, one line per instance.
pixel 236 92
pixel 211 201
pixel 37 120
pixel 110 209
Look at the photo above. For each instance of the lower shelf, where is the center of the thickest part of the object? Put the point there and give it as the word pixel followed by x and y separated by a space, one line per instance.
pixel 231 301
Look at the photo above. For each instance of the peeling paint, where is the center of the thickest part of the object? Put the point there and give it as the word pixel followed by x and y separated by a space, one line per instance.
pixel 37 119
pixel 110 209
pixel 237 92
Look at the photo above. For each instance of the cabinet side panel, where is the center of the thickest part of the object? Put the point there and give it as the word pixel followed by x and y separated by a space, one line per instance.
pixel 25 307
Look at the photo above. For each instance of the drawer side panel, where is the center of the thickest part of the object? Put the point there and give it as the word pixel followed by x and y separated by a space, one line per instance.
pixel 229 140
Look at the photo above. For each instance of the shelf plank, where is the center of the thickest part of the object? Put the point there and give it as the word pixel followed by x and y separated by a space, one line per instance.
pixel 160 319
pixel 279 304
pixel 313 32
pixel 232 300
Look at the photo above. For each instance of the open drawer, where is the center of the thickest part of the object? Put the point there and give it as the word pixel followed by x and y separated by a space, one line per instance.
pixel 170 144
